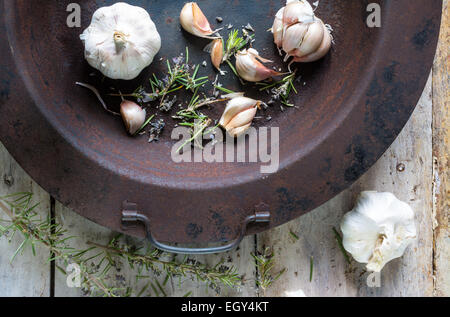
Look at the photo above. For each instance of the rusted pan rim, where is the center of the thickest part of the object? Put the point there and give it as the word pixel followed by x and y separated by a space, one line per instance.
pixel 355 103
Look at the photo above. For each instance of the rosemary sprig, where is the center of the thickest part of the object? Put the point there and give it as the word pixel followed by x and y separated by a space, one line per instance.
pixel 198 127
pixel 146 123
pixel 198 122
pixel 341 245
pixel 94 268
pixel 179 75
pixel 25 221
pixel 265 264
pixel 152 260
pixel 171 83
pixel 225 90
pixel 234 44
pixel 281 90
pixel 191 82
pixel 294 236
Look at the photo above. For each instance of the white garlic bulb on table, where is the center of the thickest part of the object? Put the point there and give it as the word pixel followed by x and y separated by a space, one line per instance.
pixel 121 41
pixel 378 229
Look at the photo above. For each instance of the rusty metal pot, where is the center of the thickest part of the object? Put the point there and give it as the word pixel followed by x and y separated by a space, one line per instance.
pixel 355 103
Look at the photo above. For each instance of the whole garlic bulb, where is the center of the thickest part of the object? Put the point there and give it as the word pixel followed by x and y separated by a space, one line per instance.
pixel 300 34
pixel 378 229
pixel 239 114
pixel 121 41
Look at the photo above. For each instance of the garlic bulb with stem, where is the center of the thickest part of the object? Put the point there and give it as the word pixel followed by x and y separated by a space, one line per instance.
pixel 378 229
pixel 249 66
pixel 239 114
pixel 132 114
pixel 99 97
pixel 121 41
pixel 194 21
pixel 300 34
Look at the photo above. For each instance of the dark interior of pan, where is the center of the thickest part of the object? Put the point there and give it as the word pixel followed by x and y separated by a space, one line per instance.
pixel 350 107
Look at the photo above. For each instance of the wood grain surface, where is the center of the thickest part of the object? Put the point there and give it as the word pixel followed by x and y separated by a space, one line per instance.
pixel 441 150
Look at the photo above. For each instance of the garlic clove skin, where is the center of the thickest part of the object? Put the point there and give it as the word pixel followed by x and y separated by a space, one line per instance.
pixel 300 34
pixel 293 37
pixel 121 41
pixel 215 48
pixel 242 118
pixel 239 131
pixel 250 68
pixel 239 114
pixel 133 116
pixel 378 229
pixel 237 104
pixel 312 39
pixel 217 53
pixel 194 21
pixel 278 28
pixel 320 52
pixel 298 11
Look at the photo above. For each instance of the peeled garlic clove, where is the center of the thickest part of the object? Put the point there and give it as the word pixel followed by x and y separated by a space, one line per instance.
pixel 298 11
pixel 216 51
pixel 320 52
pixel 133 116
pixel 378 229
pixel 239 114
pixel 194 21
pixel 250 68
pixel 121 41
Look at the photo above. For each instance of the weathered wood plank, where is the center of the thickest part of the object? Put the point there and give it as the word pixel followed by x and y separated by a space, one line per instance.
pixel 408 276
pixel 241 259
pixel 86 231
pixel 27 275
pixel 441 150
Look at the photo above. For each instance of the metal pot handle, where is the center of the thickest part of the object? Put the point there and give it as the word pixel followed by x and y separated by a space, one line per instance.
pixel 130 216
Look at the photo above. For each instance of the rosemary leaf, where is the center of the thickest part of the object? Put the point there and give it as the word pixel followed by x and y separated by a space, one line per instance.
pixel 341 245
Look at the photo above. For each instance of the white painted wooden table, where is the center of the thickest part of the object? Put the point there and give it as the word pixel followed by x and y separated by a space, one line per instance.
pixel 423 148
